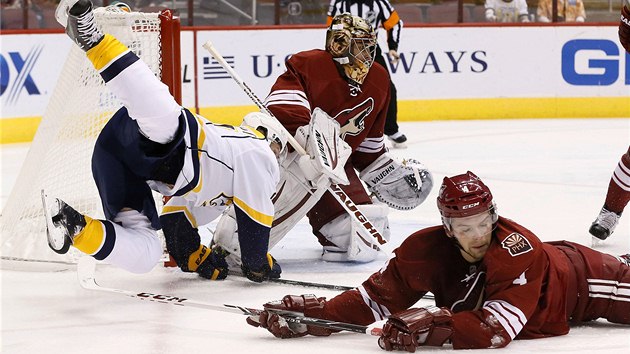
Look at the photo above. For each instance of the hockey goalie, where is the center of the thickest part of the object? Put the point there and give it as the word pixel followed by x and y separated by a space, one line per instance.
pixel 332 98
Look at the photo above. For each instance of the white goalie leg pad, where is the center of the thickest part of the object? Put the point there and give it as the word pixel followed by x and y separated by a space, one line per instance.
pixel 294 197
pixel 137 248
pixel 226 236
pixel 345 233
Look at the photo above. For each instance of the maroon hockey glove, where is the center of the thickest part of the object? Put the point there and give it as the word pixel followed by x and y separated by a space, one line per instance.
pixel 296 304
pixel 416 327
pixel 624 28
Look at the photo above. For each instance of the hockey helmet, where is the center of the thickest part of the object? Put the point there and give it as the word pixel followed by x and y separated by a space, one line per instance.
pixel 352 43
pixel 464 195
pixel 268 125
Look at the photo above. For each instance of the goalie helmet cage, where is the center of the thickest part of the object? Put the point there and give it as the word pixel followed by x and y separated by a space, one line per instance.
pixel 59 159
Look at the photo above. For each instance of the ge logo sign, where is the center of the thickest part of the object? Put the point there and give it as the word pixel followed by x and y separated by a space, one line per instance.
pixel 593 62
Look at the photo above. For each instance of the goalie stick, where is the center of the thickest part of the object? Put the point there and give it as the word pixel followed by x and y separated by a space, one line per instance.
pixel 86 275
pixel 370 232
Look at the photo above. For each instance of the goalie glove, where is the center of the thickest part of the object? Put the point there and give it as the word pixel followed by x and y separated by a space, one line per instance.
pixel 401 185
pixel 272 320
pixel 624 27
pixel 416 327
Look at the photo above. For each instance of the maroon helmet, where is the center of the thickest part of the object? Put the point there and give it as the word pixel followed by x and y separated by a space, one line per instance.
pixel 464 195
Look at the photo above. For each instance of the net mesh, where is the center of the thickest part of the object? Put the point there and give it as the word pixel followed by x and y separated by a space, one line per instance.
pixel 59 157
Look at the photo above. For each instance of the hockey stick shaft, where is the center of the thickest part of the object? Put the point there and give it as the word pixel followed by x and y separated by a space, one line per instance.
pixel 373 236
pixel 87 280
pixel 307 284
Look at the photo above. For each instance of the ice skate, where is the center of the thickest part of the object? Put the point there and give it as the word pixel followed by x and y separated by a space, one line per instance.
pixel 78 19
pixel 605 224
pixel 398 140
pixel 63 223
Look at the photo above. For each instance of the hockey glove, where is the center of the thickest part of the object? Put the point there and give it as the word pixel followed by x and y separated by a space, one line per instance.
pixel 271 270
pixel 416 327
pixel 624 28
pixel 271 318
pixel 214 267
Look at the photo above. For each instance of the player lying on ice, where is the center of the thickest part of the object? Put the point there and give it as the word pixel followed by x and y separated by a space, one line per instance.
pixel 338 85
pixel 152 143
pixel 493 280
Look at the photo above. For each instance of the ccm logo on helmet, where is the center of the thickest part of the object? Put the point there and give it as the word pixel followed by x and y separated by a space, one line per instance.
pixel 470 206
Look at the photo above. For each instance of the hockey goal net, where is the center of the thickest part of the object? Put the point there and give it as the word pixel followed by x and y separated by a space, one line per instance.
pixel 59 159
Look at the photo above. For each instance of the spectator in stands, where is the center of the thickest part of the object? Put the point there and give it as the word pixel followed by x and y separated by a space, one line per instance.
pixel 568 11
pixel 506 11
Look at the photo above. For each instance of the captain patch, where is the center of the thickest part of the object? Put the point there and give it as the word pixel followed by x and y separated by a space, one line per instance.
pixel 516 244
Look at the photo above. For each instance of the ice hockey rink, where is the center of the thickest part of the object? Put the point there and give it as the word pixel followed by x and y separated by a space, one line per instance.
pixel 549 175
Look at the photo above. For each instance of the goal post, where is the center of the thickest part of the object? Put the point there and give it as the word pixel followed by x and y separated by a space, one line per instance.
pixel 59 159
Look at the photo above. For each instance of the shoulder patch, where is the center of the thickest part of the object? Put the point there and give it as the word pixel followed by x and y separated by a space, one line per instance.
pixel 516 244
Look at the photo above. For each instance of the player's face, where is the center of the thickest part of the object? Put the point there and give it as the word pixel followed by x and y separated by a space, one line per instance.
pixel 474 234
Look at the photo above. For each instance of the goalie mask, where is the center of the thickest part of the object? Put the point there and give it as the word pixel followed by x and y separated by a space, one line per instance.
pixel 464 195
pixel 352 43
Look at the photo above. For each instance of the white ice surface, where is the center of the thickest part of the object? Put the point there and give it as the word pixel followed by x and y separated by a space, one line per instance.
pixel 549 175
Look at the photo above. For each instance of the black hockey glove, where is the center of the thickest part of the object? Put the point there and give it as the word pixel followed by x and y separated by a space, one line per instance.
pixel 270 270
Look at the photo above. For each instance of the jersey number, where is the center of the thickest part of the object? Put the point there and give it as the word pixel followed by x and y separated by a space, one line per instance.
pixel 521 280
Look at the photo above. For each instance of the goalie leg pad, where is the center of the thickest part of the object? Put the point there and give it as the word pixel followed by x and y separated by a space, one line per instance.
pixel 343 238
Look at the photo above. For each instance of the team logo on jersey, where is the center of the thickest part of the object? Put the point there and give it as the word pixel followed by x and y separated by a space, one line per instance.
pixel 354 118
pixel 516 244
pixel 220 200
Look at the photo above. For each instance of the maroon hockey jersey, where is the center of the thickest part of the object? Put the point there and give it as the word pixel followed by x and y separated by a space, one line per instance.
pixel 312 80
pixel 523 288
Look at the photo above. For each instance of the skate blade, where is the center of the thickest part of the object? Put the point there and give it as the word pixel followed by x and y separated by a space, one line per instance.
pixel 59 245
pixel 399 145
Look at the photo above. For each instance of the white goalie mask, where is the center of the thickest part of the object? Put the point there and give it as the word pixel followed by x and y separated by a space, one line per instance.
pixel 352 43
pixel 268 125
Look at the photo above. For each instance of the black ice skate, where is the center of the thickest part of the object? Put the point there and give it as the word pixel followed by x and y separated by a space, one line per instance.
pixel 63 223
pixel 605 224
pixel 79 22
pixel 398 140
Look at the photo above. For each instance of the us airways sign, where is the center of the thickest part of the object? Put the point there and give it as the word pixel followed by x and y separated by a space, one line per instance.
pixel 450 61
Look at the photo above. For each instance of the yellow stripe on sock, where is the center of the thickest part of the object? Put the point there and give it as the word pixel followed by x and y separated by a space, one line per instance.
pixel 91 238
pixel 257 216
pixel 197 257
pixel 215 274
pixel 106 51
pixel 168 209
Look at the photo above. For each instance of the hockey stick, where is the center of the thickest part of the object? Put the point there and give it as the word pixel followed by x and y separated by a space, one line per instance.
pixel 374 237
pixel 306 284
pixel 85 273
